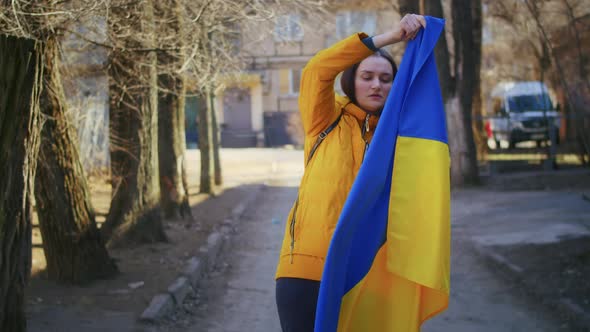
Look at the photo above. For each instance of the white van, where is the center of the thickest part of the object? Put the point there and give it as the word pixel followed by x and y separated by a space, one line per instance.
pixel 522 111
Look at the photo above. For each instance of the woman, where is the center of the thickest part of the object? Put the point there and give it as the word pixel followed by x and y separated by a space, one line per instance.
pixel 338 131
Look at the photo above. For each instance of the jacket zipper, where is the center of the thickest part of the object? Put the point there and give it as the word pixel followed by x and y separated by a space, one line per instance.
pixel 364 130
pixel 292 229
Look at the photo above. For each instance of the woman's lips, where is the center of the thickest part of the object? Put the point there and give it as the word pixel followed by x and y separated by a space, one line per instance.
pixel 375 96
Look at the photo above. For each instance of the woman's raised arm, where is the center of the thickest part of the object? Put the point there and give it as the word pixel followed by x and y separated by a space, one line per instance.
pixel 316 93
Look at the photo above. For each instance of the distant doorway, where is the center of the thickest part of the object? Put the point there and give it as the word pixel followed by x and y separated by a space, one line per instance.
pixel 236 130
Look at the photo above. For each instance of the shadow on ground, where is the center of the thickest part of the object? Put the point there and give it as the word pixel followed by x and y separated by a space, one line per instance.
pixel 115 304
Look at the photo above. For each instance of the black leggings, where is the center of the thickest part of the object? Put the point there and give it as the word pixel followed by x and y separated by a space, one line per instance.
pixel 296 301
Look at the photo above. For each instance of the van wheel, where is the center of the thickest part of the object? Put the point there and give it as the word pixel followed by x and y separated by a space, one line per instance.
pixel 497 141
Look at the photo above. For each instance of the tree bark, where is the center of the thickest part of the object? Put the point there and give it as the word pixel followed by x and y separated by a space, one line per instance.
pixel 535 12
pixel 582 58
pixel 468 19
pixel 441 52
pixel 216 143
pixel 460 86
pixel 582 134
pixel 408 7
pixel 20 86
pixel 171 104
pixel 206 145
pixel 74 250
pixel 135 213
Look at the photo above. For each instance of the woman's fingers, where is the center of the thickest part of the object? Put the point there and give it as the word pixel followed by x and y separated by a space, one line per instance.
pixel 407 27
pixel 422 20
pixel 413 21
pixel 411 24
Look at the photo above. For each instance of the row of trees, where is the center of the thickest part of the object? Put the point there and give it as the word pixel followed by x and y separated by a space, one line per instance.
pixel 156 50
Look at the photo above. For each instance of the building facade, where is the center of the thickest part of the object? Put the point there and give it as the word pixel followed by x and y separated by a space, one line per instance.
pixel 269 93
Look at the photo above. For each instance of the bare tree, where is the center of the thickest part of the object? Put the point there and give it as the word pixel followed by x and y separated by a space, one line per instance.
pixel 20 86
pixel 539 30
pixel 534 8
pixel 570 8
pixel 575 10
pixel 73 247
pixel 207 182
pixel 24 64
pixel 459 74
pixel 135 213
pixel 171 103
pixel 216 141
pixel 215 55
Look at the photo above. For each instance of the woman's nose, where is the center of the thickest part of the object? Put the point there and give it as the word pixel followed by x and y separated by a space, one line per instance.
pixel 375 84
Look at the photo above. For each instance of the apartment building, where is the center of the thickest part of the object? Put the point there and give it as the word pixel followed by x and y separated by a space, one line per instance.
pixel 262 108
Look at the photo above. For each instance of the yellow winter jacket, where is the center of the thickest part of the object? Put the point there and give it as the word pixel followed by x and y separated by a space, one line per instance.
pixel 329 175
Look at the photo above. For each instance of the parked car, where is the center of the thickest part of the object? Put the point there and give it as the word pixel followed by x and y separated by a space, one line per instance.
pixel 522 111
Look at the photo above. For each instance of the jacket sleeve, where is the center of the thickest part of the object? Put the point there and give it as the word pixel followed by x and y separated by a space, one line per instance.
pixel 316 96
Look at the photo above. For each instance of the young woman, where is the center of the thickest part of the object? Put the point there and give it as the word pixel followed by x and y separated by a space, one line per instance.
pixel 338 131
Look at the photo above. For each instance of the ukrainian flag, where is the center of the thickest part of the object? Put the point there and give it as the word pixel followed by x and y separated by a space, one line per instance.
pixel 388 266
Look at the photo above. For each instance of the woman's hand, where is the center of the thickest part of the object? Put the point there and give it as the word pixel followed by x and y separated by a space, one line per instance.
pixel 409 26
pixel 407 29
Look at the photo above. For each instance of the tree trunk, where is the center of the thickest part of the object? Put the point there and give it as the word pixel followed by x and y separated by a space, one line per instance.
pixel 457 139
pixel 460 90
pixel 171 104
pixel 172 144
pixel 408 7
pixel 134 216
pixel 582 58
pixel 216 143
pixel 468 19
pixel 582 133
pixel 477 126
pixel 206 145
pixel 20 86
pixel 441 52
pixel 74 250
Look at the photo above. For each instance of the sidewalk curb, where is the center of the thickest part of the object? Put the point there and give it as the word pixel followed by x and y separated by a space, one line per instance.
pixel 197 266
pixel 565 306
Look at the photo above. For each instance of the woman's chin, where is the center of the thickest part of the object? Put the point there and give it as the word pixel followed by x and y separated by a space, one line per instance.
pixel 374 109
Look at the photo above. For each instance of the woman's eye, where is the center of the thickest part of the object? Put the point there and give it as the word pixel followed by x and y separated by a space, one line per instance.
pixel 366 78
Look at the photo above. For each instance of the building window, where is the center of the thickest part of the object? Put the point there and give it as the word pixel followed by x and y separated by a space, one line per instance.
pixel 288 28
pixel 349 22
pixel 289 80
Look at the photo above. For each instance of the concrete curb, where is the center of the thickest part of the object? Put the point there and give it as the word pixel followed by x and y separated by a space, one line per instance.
pixel 565 306
pixel 196 267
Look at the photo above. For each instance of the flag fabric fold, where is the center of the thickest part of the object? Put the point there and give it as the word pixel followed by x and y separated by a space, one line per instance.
pixel 388 265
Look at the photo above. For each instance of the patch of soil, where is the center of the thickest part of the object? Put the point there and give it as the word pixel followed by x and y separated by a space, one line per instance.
pixel 555 270
pixel 144 270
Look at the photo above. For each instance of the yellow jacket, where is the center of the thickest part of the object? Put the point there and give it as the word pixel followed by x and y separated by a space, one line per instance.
pixel 329 175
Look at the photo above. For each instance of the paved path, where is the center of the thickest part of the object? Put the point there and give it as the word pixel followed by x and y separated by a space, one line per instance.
pixel 240 296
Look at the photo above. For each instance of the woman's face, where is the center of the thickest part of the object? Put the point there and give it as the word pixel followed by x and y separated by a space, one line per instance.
pixel 372 83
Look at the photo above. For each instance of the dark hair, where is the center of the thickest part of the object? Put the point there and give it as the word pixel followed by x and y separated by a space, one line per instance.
pixel 347 79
